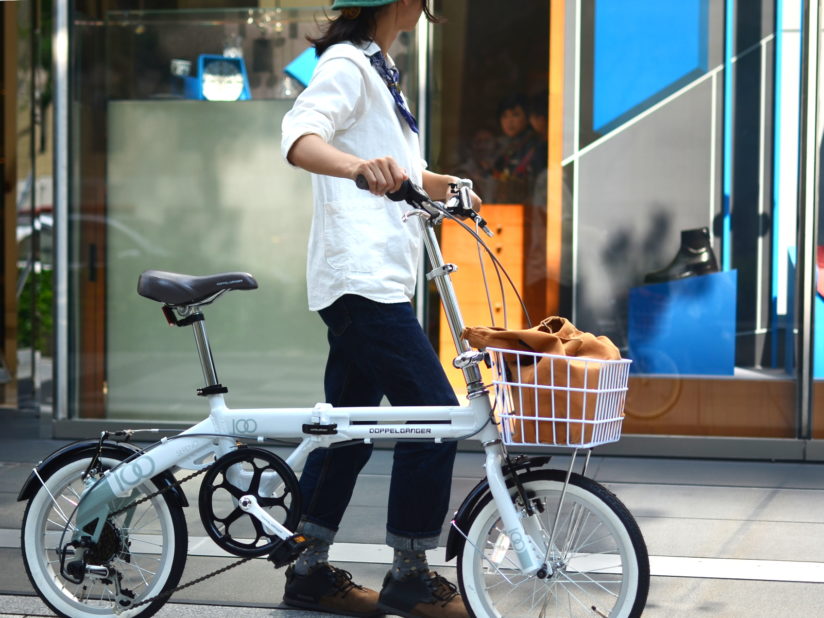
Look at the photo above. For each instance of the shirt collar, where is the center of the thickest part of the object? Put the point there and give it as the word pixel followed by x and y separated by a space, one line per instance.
pixel 370 48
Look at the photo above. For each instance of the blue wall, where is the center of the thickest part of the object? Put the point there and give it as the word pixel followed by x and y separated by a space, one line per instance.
pixel 644 50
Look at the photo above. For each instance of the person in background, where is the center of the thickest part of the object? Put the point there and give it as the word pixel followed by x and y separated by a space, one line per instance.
pixel 521 156
pixel 352 120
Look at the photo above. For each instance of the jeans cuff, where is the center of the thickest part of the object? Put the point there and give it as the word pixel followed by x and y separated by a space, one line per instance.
pixel 316 531
pixel 396 541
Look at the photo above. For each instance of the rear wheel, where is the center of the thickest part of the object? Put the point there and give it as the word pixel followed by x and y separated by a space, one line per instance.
pixel 597 563
pixel 140 554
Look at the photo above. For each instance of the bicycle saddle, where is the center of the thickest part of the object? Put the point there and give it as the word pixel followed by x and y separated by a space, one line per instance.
pixel 181 290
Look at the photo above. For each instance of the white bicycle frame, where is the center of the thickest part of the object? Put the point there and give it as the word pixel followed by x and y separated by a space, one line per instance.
pixel 324 425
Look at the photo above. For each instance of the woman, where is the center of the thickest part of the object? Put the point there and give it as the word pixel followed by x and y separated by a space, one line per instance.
pixel 352 120
pixel 522 155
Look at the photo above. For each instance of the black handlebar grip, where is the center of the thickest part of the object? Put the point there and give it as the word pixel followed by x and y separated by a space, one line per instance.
pixel 405 191
pixel 361 182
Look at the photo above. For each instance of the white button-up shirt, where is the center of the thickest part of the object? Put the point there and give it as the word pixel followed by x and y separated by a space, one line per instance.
pixel 357 243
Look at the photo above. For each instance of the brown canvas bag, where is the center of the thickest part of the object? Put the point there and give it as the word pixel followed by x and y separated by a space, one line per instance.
pixel 568 401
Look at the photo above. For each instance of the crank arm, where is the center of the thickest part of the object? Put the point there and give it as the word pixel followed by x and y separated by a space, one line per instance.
pixel 249 504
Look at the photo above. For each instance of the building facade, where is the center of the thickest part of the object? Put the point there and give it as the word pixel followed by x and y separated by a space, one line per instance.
pixel 651 171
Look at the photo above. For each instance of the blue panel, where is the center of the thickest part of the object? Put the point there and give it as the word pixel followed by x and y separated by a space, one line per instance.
pixel 684 327
pixel 302 67
pixel 644 49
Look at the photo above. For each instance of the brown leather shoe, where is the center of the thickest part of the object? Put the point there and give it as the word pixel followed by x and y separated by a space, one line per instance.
pixel 421 596
pixel 332 590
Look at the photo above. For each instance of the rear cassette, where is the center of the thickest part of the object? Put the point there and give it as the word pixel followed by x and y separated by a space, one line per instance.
pixel 248 472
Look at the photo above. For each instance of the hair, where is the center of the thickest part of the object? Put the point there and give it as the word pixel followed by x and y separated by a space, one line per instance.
pixel 511 101
pixel 357 30
pixel 538 104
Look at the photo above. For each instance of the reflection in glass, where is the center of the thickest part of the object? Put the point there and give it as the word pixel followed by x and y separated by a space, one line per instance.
pixel 169 181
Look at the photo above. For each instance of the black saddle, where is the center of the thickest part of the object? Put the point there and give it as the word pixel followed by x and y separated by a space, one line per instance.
pixel 181 290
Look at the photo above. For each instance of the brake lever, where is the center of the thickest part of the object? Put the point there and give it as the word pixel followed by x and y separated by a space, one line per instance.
pixel 463 208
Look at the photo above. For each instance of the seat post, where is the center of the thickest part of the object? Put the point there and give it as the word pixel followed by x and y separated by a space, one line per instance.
pixel 204 352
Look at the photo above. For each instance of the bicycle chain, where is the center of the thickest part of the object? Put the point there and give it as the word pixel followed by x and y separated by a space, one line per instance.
pixel 162 490
pixel 168 593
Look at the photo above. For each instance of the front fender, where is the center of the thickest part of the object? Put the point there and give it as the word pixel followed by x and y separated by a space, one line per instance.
pixel 117 450
pixel 465 512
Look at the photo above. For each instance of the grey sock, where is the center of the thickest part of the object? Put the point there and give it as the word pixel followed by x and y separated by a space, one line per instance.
pixel 317 552
pixel 409 562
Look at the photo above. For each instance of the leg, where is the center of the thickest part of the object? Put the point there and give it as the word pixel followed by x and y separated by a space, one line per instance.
pixel 327 483
pixel 378 349
pixel 336 470
pixel 402 362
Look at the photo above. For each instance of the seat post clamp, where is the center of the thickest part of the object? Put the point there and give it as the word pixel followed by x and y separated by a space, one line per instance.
pixel 171 318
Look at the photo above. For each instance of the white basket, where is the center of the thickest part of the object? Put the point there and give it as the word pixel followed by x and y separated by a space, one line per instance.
pixel 544 399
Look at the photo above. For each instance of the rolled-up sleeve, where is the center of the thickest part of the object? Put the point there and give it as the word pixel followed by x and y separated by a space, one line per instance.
pixel 332 102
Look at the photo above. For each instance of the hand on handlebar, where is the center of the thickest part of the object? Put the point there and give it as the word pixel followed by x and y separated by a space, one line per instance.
pixel 380 176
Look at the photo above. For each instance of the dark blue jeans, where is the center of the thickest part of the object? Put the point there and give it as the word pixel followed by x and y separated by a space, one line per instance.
pixel 378 349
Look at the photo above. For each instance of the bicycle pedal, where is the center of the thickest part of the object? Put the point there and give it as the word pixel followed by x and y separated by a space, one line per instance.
pixel 286 550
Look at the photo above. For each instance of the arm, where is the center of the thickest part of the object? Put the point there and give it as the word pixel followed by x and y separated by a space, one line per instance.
pixel 311 153
pixel 437 185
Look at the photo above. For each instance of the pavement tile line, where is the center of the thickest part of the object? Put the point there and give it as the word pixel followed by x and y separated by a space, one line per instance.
pixel 660 566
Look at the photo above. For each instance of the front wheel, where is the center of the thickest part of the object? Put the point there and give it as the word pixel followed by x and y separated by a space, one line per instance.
pixel 596 562
pixel 140 554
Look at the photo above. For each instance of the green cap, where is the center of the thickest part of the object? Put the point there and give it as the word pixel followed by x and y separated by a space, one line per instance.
pixel 342 4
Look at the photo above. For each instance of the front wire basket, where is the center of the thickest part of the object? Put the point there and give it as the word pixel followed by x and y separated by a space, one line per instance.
pixel 545 399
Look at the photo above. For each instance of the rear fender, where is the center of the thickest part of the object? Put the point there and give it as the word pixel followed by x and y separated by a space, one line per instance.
pixel 117 450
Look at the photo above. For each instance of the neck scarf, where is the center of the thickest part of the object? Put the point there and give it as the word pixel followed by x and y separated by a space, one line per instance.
pixel 392 78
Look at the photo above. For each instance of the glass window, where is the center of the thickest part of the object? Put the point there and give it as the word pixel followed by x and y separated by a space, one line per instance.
pixel 176 116
pixel 656 224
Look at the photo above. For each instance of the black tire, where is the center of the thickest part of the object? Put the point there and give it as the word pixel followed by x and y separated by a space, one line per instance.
pixel 595 534
pixel 150 553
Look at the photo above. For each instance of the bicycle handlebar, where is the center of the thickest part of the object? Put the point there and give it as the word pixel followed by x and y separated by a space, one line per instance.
pixel 414 195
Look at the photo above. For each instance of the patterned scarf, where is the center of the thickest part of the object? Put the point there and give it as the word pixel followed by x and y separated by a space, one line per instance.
pixel 392 78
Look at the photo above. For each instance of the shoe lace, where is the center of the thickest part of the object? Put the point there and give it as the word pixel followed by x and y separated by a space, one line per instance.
pixel 343 581
pixel 442 589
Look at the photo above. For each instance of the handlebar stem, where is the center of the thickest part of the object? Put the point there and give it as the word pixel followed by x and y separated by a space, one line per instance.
pixel 449 300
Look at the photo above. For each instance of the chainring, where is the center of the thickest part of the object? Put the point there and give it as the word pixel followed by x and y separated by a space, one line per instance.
pixel 255 472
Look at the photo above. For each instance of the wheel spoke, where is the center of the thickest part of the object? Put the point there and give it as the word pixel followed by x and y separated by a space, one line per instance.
pixel 588 579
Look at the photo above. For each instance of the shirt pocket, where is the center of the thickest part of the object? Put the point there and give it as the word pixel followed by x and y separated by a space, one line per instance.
pixel 354 234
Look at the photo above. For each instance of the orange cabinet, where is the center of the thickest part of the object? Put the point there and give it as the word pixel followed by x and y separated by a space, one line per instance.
pixel 506 221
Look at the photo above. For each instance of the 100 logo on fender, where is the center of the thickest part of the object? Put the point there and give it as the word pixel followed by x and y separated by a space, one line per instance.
pixel 130 475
